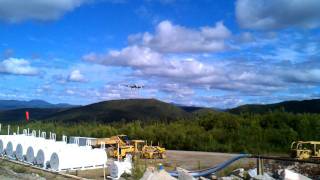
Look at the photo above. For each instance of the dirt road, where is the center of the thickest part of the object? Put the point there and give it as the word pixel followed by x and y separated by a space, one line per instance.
pixel 193 160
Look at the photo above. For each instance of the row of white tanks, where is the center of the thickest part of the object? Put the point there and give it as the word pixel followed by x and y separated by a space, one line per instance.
pixel 49 153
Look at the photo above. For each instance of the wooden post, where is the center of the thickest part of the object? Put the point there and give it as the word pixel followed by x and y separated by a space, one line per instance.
pixel 104 172
pixel 259 166
pixel 118 151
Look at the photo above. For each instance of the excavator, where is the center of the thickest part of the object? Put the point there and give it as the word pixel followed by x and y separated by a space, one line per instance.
pixel 304 150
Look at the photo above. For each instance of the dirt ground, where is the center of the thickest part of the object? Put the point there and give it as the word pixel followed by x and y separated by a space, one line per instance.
pixel 191 160
pixel 194 160
pixel 14 171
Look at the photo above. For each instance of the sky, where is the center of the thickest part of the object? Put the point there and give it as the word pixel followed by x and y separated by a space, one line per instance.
pixel 221 53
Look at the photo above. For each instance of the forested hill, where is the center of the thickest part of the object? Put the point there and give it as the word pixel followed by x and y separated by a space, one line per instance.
pixel 116 110
pixel 138 109
pixel 105 112
pixel 305 106
pixel 18 115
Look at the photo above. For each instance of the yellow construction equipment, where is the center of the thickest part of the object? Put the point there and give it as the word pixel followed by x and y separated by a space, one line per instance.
pixel 121 145
pixel 132 148
pixel 153 152
pixel 305 150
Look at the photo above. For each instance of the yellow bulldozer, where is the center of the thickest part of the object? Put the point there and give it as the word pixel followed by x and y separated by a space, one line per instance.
pixel 153 152
pixel 304 150
pixel 121 145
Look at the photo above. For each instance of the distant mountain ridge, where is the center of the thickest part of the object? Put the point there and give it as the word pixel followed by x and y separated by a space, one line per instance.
pixel 117 110
pixel 303 106
pixel 16 115
pixel 15 104
pixel 135 109
pixel 103 112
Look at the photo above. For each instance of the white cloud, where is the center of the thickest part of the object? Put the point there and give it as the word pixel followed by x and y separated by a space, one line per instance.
pixel 177 89
pixel 43 10
pixel 274 14
pixel 70 92
pixel 171 38
pixel 248 77
pixel 132 56
pixel 18 67
pixel 225 101
pixel 76 76
pixel 180 69
pixel 168 62
pixel 150 63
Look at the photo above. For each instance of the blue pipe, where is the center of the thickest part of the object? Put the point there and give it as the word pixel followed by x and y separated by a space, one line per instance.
pixel 214 169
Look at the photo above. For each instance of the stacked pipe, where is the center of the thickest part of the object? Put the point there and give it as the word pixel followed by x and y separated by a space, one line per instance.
pixel 49 153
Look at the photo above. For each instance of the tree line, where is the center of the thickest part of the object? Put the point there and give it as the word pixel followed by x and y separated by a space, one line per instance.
pixel 271 132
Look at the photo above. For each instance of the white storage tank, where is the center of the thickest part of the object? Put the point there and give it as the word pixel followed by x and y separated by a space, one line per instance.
pixel 66 158
pixel 33 148
pixel 44 153
pixel 74 156
pixel 13 140
pixel 3 143
pixel 36 145
pixel 99 157
pixel 21 149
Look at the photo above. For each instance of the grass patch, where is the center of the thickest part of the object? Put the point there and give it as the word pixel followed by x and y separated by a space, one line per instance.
pixel 228 170
pixel 19 169
pixel 138 168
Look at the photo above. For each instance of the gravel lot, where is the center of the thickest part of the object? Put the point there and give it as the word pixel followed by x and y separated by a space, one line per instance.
pixel 192 160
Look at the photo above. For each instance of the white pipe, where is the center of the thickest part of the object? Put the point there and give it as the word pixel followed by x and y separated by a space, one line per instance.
pixel 25 132
pixel 34 133
pixel 44 135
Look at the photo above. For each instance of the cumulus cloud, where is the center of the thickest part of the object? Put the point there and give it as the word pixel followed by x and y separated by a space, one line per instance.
pixel 275 14
pixel 177 89
pixel 132 56
pixel 43 10
pixel 171 38
pixel 248 77
pixel 182 61
pixel 18 67
pixel 145 61
pixel 223 101
pixel 76 76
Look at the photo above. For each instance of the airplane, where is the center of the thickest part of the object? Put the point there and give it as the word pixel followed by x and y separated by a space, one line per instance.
pixel 134 86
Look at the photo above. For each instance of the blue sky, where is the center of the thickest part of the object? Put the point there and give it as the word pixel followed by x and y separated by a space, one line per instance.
pixel 204 53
